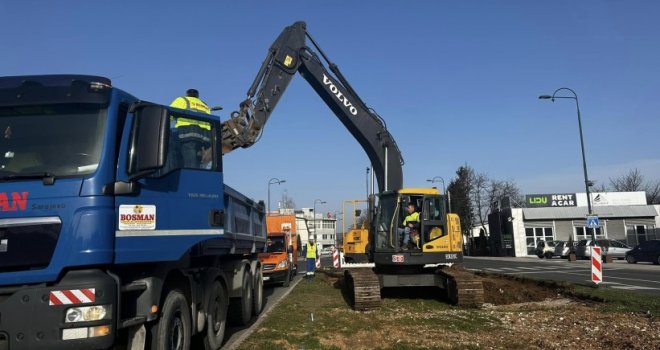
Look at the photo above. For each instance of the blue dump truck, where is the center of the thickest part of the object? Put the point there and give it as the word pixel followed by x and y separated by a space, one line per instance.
pixel 114 231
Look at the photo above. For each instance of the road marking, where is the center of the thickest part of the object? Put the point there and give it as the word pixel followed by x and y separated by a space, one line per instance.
pixel 618 278
pixel 617 285
pixel 489 269
pixel 530 272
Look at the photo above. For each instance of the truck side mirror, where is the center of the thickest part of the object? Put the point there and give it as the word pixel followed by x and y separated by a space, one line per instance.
pixel 150 137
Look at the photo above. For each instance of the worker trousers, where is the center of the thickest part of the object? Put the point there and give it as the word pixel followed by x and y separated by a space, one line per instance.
pixel 311 265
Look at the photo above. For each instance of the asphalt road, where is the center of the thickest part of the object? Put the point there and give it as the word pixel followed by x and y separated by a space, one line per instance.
pixel 619 274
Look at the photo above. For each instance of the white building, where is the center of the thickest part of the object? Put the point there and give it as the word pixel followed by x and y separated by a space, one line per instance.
pixel 319 226
pixel 623 216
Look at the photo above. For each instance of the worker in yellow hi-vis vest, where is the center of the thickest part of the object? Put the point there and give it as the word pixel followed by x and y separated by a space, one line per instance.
pixel 310 255
pixel 194 135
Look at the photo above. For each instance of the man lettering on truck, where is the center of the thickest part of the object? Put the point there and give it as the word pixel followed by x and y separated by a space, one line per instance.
pixel 310 254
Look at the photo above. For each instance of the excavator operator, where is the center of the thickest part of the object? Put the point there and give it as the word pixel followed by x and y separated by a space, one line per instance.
pixel 410 223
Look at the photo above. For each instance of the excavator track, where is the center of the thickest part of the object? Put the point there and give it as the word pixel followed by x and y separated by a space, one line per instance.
pixel 463 287
pixel 363 288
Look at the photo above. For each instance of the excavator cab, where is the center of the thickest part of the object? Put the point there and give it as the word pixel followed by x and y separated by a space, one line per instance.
pixel 437 240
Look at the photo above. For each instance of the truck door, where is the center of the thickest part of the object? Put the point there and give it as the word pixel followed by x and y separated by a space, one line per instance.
pixel 171 209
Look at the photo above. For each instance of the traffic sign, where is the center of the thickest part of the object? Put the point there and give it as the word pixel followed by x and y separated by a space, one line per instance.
pixel 592 221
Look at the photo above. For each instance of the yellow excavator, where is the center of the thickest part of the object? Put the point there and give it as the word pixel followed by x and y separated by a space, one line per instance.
pixel 355 241
pixel 438 241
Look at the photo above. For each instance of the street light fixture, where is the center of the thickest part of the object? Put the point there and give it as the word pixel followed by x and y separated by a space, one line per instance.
pixel 336 219
pixel 444 189
pixel 587 183
pixel 320 202
pixel 270 182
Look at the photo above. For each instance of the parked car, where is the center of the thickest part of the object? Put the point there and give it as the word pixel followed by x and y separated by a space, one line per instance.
pixel 648 251
pixel 615 249
pixel 562 249
pixel 546 249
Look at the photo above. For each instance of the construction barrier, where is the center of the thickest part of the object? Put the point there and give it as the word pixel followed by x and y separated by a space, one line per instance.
pixel 596 265
pixel 335 258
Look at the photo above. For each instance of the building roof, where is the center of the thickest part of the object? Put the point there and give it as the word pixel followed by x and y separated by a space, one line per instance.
pixel 612 211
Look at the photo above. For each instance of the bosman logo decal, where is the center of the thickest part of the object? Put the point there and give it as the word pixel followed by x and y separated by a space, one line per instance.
pixel 137 217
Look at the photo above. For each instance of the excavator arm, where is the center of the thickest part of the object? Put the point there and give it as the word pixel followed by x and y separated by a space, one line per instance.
pixel 288 55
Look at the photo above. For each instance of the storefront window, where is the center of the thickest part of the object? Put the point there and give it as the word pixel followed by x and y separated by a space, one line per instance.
pixel 535 235
pixel 582 232
pixel 636 234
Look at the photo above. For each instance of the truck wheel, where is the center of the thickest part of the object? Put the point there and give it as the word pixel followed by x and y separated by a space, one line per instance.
pixel 287 278
pixel 548 255
pixel 630 259
pixel 657 260
pixel 172 331
pixel 216 318
pixel 240 309
pixel 258 299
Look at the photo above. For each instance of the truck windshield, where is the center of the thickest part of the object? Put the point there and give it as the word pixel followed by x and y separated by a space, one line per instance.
pixel 275 244
pixel 56 140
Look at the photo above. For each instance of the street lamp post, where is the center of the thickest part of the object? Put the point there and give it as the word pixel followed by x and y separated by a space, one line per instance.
pixel 270 182
pixel 444 189
pixel 336 220
pixel 587 183
pixel 320 202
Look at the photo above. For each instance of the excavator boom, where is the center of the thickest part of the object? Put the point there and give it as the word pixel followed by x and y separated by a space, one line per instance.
pixel 288 55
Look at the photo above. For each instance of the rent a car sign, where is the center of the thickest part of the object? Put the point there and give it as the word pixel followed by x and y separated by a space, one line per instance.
pixel 551 200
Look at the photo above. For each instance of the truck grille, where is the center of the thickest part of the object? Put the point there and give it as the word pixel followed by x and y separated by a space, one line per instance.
pixel 27 243
pixel 268 267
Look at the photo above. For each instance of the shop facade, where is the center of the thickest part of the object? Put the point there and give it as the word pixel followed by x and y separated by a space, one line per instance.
pixel 623 216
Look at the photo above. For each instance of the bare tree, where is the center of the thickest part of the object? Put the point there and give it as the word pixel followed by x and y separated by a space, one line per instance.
pixel 653 192
pixel 599 188
pixel 503 189
pixel 480 197
pixel 287 201
pixel 632 181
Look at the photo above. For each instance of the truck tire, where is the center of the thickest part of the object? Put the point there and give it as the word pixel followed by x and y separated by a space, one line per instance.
pixel 287 278
pixel 258 294
pixel 548 255
pixel 173 329
pixel 240 309
pixel 216 319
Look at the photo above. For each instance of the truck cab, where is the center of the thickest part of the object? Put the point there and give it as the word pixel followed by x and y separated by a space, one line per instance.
pixel 100 211
pixel 280 260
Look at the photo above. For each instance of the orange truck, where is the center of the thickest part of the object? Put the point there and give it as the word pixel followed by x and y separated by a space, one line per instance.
pixel 280 260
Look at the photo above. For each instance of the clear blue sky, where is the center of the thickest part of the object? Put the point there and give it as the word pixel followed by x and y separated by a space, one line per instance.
pixel 456 81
